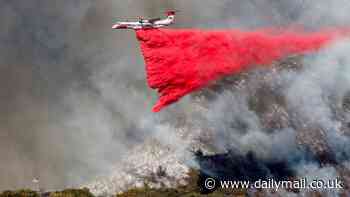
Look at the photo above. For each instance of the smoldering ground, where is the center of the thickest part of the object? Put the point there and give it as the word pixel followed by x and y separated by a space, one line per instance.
pixel 74 96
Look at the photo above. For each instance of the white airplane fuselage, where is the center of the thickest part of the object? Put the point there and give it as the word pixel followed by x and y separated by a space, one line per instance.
pixel 145 24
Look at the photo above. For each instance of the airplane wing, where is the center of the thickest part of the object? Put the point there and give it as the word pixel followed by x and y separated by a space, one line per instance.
pixel 153 20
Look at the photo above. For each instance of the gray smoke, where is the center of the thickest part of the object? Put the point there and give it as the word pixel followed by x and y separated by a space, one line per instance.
pixel 74 96
pixel 56 124
pixel 74 99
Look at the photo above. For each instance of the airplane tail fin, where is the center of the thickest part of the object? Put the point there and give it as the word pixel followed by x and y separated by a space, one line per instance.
pixel 171 12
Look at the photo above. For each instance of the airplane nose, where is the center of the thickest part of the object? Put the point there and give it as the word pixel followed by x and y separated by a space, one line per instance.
pixel 115 26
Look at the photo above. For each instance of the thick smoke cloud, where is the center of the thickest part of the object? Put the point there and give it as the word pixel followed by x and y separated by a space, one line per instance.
pixel 49 50
pixel 306 103
pixel 73 93
pixel 65 80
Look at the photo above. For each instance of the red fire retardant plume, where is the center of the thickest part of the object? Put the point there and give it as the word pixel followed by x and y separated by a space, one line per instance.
pixel 180 61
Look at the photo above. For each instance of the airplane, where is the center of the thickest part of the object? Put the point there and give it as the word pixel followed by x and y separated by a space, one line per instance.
pixel 147 23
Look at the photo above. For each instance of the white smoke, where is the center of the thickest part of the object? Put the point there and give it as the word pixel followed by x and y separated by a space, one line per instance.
pixel 313 96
